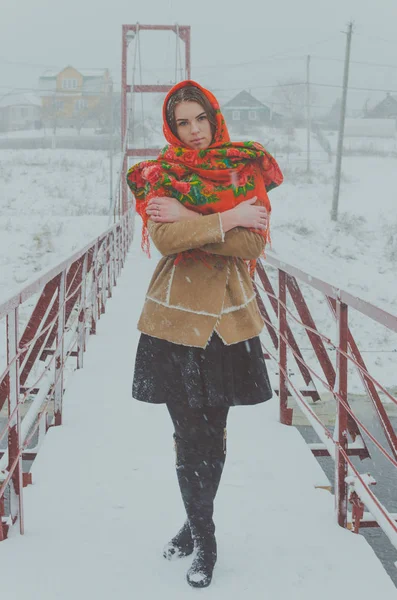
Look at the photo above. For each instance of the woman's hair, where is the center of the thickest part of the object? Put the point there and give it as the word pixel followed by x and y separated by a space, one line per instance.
pixel 190 93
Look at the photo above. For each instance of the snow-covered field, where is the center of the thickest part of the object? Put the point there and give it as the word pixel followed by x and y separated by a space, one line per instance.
pixel 55 201
pixel 52 203
pixel 368 146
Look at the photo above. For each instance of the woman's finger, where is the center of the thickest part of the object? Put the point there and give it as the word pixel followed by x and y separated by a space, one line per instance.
pixel 161 200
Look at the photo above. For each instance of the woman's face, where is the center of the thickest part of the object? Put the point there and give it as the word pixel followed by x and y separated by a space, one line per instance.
pixel 192 125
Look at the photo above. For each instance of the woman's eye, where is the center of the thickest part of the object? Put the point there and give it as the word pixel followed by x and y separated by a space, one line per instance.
pixel 182 122
pixel 202 117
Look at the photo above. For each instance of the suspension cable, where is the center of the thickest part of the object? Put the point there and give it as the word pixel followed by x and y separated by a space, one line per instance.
pixel 142 103
pixel 130 109
pixel 131 119
pixel 178 56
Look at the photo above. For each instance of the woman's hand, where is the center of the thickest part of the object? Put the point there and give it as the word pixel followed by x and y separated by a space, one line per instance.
pixel 251 216
pixel 245 214
pixel 168 210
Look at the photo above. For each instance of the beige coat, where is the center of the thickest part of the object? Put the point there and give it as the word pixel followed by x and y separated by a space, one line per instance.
pixel 186 303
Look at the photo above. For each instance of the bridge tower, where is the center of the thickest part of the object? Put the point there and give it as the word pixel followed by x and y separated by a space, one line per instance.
pixel 128 88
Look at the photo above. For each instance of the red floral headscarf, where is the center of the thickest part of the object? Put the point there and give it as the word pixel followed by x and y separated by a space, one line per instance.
pixel 212 180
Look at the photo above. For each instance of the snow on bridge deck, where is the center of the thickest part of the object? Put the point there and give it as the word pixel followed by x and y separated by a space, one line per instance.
pixel 105 497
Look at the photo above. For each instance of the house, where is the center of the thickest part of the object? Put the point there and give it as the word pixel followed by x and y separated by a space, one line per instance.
pixel 71 96
pixel 386 109
pixel 20 111
pixel 244 110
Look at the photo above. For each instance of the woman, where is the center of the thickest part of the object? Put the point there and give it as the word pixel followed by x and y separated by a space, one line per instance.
pixel 204 203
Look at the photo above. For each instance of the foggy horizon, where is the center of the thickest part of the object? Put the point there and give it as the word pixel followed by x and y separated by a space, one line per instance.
pixel 232 49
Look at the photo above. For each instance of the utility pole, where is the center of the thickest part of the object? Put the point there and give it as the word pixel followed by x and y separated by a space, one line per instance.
pixel 308 115
pixel 334 212
pixel 54 121
pixel 111 129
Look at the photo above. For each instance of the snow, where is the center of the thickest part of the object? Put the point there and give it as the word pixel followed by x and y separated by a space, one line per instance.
pixel 53 203
pixel 370 144
pixel 381 128
pixel 105 499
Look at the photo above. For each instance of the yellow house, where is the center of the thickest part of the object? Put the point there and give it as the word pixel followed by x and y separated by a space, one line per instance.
pixel 73 94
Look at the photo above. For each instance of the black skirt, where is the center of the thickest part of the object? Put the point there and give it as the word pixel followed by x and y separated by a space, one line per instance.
pixel 218 375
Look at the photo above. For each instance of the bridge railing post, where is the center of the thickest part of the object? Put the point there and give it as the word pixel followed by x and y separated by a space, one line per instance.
pixel 340 432
pixel 14 425
pixel 94 290
pixel 285 412
pixel 81 341
pixel 60 351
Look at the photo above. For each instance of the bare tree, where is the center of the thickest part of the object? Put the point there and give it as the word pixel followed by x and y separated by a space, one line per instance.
pixel 52 112
pixel 100 112
pixel 290 99
pixel 80 118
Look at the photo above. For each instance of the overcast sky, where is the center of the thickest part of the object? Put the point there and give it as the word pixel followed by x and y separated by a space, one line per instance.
pixel 271 38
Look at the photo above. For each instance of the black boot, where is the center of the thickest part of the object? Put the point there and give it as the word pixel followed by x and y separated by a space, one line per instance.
pixel 200 573
pixel 195 481
pixel 182 544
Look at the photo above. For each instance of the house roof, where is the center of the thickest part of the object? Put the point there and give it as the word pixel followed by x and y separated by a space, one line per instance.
pixel 22 99
pixel 387 104
pixel 86 73
pixel 244 100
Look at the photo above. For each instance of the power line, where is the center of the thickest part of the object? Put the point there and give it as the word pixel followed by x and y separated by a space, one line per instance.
pixel 214 89
pixel 377 38
pixel 17 91
pixel 355 62
pixel 26 64
pixel 257 87
pixel 244 63
pixel 258 60
pixel 357 89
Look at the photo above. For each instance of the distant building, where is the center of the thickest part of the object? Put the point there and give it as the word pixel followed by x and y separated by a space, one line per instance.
pixel 386 109
pixel 71 95
pixel 20 111
pixel 245 110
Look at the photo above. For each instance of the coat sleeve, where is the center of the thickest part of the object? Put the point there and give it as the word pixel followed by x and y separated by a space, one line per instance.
pixel 172 238
pixel 239 242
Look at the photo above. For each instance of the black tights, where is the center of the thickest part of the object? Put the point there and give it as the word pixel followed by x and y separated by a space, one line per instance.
pixel 200 444
pixel 200 428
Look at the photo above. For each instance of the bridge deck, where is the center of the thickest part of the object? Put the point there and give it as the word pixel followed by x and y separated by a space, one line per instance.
pixel 105 497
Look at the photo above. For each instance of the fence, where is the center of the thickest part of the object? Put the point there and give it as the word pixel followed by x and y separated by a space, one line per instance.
pixel 291 310
pixel 70 300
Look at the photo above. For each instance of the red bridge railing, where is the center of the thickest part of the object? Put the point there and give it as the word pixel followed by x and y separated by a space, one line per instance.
pixel 328 365
pixel 68 301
